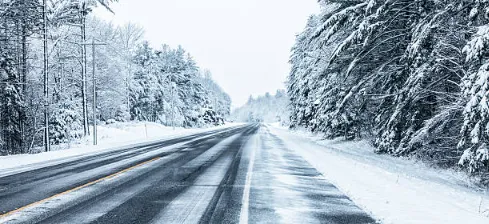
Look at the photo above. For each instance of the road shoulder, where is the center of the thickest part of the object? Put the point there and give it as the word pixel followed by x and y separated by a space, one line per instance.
pixel 392 189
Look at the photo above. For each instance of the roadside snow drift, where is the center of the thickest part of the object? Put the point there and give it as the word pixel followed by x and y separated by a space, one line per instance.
pixel 393 190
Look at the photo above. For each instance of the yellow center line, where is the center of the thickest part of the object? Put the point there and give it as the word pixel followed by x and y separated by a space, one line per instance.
pixel 76 188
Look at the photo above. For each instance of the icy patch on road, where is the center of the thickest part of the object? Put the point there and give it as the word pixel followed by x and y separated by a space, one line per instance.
pixel 394 190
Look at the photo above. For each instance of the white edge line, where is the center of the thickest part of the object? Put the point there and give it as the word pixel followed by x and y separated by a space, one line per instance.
pixel 243 217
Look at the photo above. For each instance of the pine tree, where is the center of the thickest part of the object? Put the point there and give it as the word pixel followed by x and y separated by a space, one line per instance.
pixel 162 85
pixel 143 85
pixel 475 91
pixel 410 74
pixel 19 20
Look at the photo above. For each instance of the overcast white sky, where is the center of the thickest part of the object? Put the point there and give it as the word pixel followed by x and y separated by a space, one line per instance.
pixel 244 43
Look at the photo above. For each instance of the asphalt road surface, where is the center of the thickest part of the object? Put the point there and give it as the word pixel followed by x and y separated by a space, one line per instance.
pixel 242 174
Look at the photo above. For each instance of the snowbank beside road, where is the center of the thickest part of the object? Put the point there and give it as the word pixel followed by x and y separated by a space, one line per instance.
pixel 111 137
pixel 394 190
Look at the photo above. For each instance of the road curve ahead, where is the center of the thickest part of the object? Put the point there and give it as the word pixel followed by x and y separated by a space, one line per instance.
pixel 236 175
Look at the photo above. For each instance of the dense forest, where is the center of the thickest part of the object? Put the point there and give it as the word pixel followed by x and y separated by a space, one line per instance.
pixel 56 60
pixel 412 75
pixel 268 108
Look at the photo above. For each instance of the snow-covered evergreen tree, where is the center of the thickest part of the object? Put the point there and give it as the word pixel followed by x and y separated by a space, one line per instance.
pixel 141 83
pixel 168 88
pixel 475 90
pixel 410 74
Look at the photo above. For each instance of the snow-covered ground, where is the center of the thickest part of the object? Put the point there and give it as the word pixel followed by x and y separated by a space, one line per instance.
pixel 111 137
pixel 393 190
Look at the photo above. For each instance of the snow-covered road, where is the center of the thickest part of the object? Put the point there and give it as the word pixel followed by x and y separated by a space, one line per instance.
pixel 242 174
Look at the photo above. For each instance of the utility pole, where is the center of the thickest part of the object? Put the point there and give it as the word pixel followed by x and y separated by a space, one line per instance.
pixel 94 96
pixel 46 84
pixel 94 80
pixel 170 79
pixel 172 107
pixel 86 130
pixel 94 83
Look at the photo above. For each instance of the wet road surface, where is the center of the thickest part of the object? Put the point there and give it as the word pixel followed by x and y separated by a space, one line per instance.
pixel 235 175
